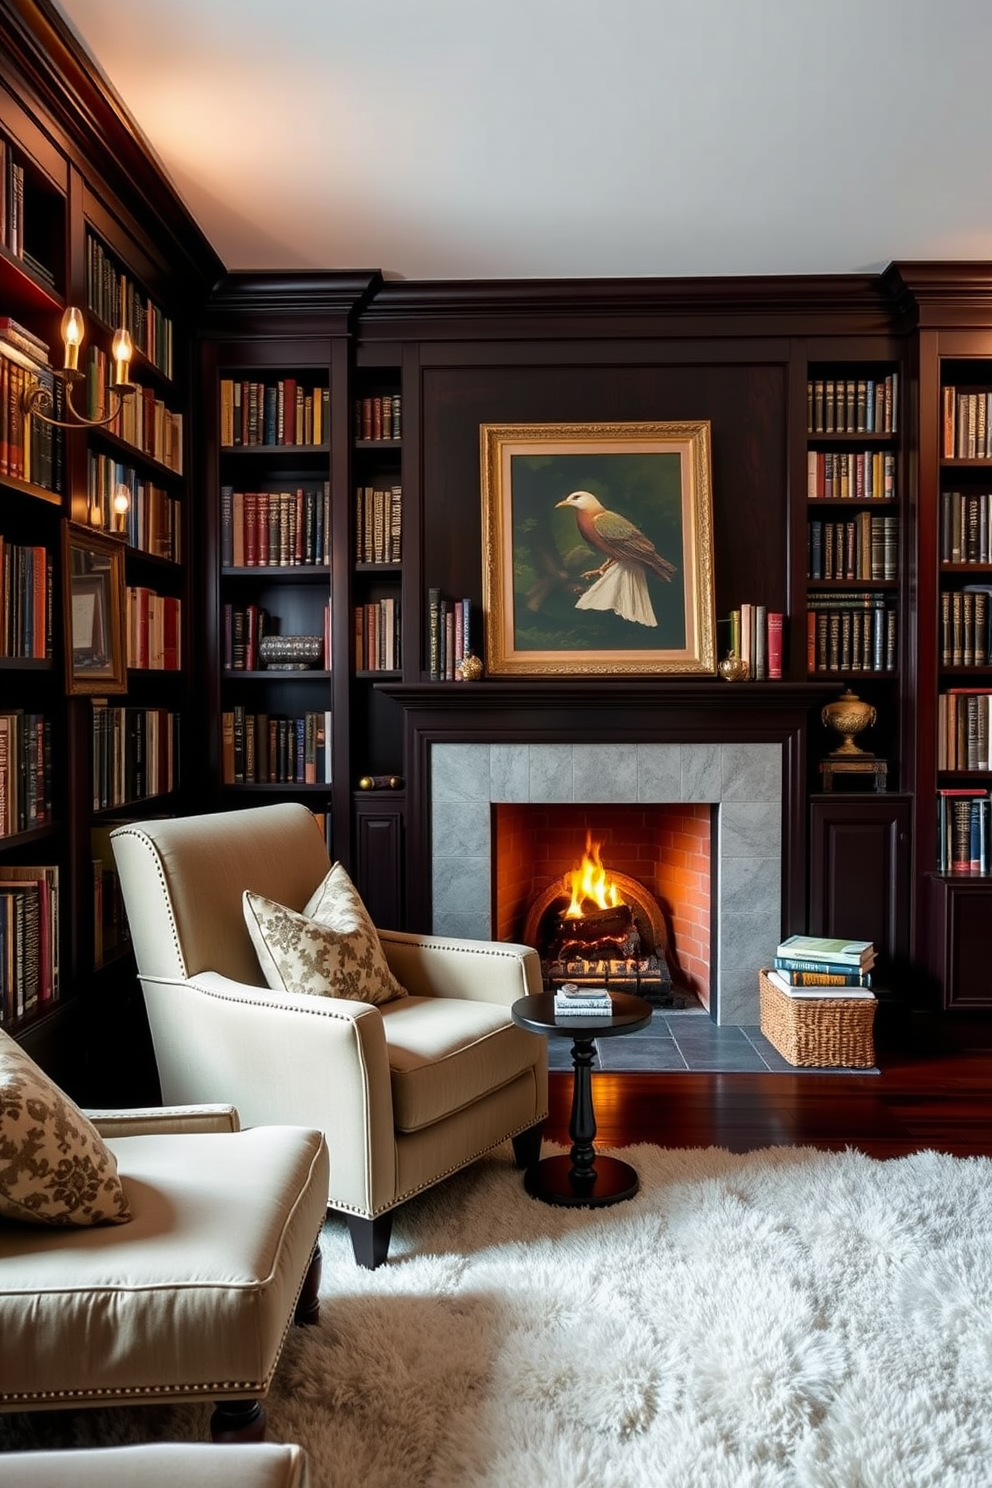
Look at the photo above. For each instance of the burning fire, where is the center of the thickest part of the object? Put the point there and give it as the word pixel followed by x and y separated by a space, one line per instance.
pixel 591 883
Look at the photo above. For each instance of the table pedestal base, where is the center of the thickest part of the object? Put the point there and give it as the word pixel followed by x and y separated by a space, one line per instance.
pixel 608 1182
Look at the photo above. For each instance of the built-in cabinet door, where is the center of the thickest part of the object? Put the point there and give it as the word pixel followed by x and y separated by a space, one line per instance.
pixel 859 882
pixel 379 855
pixel 961 914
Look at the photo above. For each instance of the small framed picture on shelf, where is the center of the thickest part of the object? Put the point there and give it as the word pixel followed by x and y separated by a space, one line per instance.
pixel 598 549
pixel 93 607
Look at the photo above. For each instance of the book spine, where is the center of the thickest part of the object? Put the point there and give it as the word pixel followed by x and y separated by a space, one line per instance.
pixel 806 963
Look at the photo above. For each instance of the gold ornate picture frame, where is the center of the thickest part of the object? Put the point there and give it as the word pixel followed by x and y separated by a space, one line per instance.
pixel 93 608
pixel 598 549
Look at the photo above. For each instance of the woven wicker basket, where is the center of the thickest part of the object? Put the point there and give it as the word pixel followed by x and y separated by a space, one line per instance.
pixel 818 1031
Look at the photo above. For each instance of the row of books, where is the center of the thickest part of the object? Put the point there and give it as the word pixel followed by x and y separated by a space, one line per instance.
pixel 377 636
pixel 26 578
pixel 118 301
pixel 379 417
pixel 850 475
pixel 852 405
pixel 964 728
pixel 244 627
pixel 135 753
pixel 30 449
pixel 850 633
pixel 29 940
pixel 966 626
pixel 812 966
pixel 966 424
pixel 863 547
pixel 153 520
pixel 264 748
pixel 965 527
pixel 273 413
pixel 25 771
pixel 757 637
pixel 275 529
pixel 963 821
pixel 449 635
pixel 379 524
pixel 144 421
pixel 154 630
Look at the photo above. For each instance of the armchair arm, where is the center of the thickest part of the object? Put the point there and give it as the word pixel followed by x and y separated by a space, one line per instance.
pixel 283 1058
pixel 477 970
pixel 165 1120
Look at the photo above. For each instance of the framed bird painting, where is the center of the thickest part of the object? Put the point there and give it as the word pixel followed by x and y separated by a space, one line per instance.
pixel 598 549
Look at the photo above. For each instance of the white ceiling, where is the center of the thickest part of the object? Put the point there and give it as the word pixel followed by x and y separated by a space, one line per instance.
pixel 560 138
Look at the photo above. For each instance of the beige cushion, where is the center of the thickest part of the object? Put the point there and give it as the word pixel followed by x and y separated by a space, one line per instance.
pixel 55 1168
pixel 330 950
pixel 193 1297
pixel 445 1053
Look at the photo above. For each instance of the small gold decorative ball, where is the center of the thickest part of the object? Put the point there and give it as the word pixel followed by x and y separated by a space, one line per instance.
pixel 733 668
pixel 470 667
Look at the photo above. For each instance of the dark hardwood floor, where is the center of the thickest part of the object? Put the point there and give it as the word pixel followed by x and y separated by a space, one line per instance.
pixel 934 1090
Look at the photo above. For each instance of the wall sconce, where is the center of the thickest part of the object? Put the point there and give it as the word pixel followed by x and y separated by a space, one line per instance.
pixel 37 401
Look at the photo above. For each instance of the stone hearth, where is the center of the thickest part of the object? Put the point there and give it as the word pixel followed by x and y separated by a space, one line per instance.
pixel 743 781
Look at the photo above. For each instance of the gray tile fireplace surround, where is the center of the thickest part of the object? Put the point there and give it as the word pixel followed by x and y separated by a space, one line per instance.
pixel 743 781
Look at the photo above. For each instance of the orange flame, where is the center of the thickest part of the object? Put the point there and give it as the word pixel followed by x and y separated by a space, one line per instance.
pixel 591 883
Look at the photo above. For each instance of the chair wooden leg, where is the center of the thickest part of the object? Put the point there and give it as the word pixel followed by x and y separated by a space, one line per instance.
pixel 370 1238
pixel 238 1421
pixel 308 1302
pixel 527 1146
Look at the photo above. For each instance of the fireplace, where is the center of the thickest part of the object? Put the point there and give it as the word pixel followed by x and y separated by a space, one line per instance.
pixel 739 783
pixel 654 858
pixel 738 751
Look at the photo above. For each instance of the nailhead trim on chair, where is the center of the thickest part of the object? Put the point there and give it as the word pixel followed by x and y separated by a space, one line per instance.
pixel 157 858
pixel 422 1187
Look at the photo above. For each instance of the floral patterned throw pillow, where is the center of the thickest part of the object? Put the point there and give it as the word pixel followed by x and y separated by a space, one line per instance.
pixel 330 950
pixel 55 1168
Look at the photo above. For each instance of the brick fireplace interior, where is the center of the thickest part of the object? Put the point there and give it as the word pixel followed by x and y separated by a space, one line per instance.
pixel 666 848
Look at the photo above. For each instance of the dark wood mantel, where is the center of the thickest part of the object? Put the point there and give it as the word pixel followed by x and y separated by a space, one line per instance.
pixel 647 710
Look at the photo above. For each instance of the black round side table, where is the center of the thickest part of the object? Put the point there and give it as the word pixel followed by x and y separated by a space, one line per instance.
pixel 583 1177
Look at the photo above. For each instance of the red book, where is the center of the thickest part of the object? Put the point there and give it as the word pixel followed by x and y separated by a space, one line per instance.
pixel 289 411
pixel 251 529
pixel 262 523
pixel 776 621
pixel 297 557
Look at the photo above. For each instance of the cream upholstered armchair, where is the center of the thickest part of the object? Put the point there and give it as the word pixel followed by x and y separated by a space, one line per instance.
pixel 407 1092
pixel 150 1256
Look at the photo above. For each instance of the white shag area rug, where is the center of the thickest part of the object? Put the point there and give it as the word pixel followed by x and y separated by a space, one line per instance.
pixel 781 1319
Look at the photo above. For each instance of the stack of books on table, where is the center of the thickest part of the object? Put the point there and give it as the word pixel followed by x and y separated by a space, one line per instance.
pixel 822 966
pixel 573 1002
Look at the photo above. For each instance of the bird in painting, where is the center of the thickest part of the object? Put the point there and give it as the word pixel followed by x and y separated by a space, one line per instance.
pixel 621 581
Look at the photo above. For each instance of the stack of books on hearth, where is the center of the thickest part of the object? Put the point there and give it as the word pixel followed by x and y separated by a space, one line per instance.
pixel 573 1001
pixel 823 966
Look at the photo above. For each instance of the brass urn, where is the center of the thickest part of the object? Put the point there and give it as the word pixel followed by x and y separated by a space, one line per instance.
pixel 848 716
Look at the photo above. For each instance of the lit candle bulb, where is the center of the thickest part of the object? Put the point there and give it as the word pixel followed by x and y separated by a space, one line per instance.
pixel 122 504
pixel 123 350
pixel 72 334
